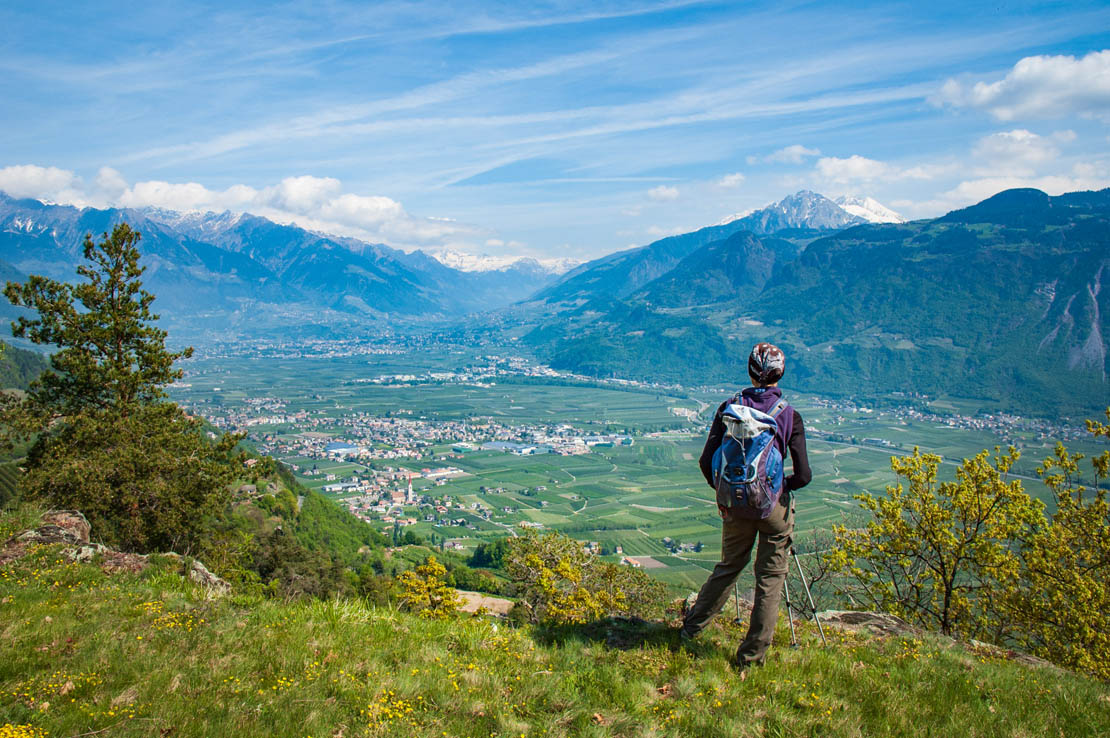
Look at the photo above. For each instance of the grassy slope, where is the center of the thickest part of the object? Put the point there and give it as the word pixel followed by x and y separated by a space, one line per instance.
pixel 148 654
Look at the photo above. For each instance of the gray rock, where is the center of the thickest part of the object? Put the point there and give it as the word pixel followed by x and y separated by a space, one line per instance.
pixel 71 520
pixel 877 623
pixel 58 526
pixel 70 527
pixel 86 553
pixel 198 573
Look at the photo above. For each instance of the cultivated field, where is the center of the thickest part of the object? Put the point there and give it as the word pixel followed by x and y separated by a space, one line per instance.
pixel 631 497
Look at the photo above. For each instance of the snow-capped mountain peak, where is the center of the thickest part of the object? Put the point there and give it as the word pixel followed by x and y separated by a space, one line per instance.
pixel 465 262
pixel 737 216
pixel 869 209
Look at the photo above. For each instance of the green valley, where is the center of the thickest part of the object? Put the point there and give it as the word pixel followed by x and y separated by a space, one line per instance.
pixel 392 413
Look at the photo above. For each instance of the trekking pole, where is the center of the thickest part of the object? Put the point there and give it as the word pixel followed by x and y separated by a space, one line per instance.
pixel 809 595
pixel 789 617
pixel 736 598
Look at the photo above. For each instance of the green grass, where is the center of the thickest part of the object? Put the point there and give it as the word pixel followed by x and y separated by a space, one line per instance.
pixel 149 654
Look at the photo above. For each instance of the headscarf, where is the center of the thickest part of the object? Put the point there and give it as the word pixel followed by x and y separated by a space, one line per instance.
pixel 766 363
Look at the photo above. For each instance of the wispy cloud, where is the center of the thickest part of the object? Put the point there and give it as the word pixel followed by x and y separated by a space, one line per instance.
pixel 793 154
pixel 663 193
pixel 399 101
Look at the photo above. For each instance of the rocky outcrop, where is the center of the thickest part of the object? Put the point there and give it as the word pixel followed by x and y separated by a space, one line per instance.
pixel 875 623
pixel 883 624
pixel 58 526
pixel 69 527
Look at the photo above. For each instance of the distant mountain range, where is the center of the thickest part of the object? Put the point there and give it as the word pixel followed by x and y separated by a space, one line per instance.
pixel 485 263
pixel 1003 301
pixel 243 272
pixel 801 217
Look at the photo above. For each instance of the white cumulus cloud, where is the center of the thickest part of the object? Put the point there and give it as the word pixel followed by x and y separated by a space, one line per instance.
pixel 1082 177
pixel 44 183
pixel 1039 87
pixel 663 193
pixel 303 194
pixel 315 203
pixel 109 184
pixel 730 180
pixel 1015 153
pixel 857 169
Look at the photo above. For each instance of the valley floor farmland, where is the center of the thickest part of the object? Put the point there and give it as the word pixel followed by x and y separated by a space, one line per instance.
pixel 474 435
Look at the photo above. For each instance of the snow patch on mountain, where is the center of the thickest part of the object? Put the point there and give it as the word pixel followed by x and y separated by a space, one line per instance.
pixel 869 209
pixel 737 216
pixel 465 262
pixel 197 223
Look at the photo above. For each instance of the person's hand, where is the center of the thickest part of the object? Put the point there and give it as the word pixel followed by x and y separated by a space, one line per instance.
pixel 723 511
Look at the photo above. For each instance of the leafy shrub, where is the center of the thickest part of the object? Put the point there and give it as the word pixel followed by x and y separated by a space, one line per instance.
pixel 561 583
pixel 1063 597
pixel 425 591
pixel 935 552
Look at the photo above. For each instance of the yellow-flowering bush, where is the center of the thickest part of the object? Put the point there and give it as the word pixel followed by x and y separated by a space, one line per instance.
pixel 935 552
pixel 561 583
pixel 425 591
pixel 1063 599
pixel 977 558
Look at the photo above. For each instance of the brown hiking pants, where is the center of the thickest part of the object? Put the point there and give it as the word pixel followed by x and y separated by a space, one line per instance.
pixel 771 561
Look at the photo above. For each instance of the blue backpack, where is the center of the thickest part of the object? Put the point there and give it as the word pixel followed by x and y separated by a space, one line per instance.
pixel 747 466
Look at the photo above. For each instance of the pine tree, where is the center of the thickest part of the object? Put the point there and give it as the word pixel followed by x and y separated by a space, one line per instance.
pixel 105 439
pixel 110 353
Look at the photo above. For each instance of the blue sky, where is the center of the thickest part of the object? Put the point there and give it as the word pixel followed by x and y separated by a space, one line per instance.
pixel 554 129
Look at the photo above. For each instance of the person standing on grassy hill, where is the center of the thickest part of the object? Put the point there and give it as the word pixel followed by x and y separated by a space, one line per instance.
pixel 773 525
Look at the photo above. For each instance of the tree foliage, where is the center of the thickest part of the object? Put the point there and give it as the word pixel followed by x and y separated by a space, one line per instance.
pixel 147 480
pixel 110 355
pixel 1062 604
pixel 425 591
pixel 934 552
pixel 490 555
pixel 105 439
pixel 561 583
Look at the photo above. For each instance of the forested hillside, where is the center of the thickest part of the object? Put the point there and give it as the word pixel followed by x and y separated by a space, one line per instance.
pixel 19 366
pixel 1002 301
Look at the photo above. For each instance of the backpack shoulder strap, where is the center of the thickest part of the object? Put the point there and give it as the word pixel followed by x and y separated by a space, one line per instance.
pixel 781 405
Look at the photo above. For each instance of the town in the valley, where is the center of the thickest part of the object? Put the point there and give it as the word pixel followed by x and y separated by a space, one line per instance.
pixel 458 447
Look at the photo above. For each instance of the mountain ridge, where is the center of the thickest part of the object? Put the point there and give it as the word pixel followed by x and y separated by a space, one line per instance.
pixel 246 270
pixel 802 216
pixel 995 301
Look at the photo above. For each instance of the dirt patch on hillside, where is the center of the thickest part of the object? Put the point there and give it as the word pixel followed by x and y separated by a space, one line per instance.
pixel 474 601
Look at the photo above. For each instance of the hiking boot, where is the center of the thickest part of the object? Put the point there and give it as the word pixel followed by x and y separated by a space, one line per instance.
pixel 685 637
pixel 743 667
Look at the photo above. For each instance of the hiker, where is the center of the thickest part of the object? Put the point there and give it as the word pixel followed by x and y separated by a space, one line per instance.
pixel 773 525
